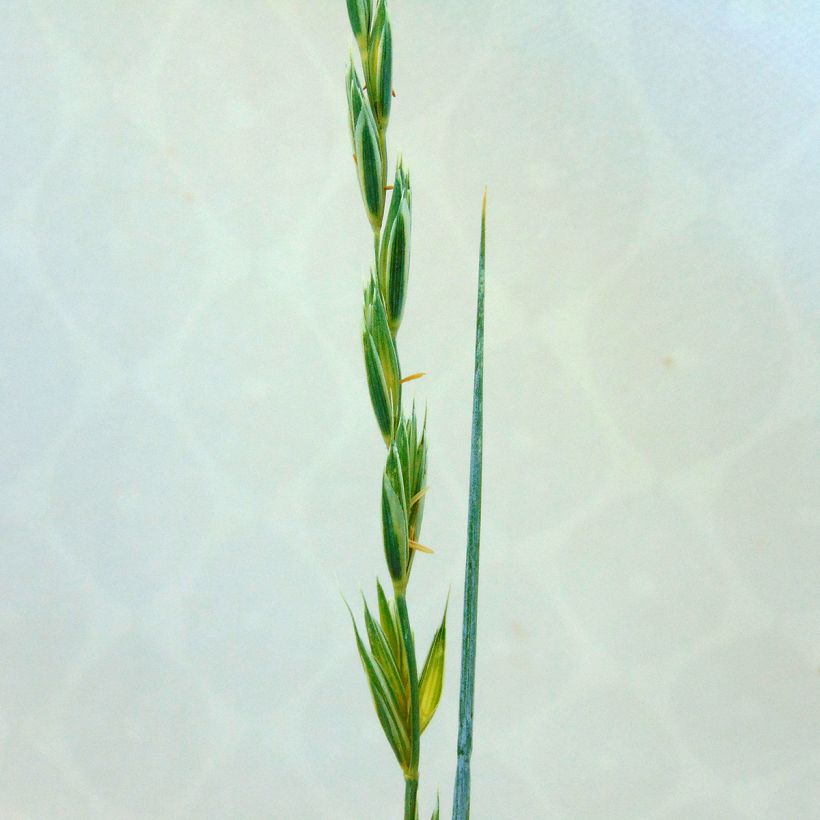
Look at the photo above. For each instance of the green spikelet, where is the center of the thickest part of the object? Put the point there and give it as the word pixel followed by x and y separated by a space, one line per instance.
pixel 381 363
pixel 394 253
pixel 394 519
pixel 380 66
pixel 360 13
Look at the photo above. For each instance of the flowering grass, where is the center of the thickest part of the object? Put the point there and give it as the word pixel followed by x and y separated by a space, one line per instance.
pixel 405 699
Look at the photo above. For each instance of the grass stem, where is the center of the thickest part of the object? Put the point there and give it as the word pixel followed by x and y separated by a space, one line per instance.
pixel 411 787
pixel 376 237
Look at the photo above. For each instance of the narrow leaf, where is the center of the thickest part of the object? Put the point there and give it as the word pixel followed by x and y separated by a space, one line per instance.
pixel 436 812
pixel 461 799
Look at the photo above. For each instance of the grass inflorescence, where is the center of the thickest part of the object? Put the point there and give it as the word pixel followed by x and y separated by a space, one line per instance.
pixel 405 700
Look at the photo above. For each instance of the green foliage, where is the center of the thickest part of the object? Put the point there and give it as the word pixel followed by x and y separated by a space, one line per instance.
pixel 461 798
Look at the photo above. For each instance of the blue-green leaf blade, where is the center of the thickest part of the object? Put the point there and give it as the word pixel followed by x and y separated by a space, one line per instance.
pixel 461 798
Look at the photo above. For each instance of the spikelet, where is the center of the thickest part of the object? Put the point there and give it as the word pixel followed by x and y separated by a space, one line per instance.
pixel 380 65
pixel 381 363
pixel 355 101
pixel 369 165
pixel 360 13
pixel 394 519
pixel 394 253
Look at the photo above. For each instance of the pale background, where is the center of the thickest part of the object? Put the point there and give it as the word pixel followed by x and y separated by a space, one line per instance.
pixel 189 467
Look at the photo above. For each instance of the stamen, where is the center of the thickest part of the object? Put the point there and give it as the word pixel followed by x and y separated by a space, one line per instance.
pixel 418 496
pixel 412 377
pixel 414 545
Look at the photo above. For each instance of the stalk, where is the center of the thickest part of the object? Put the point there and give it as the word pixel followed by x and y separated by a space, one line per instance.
pixel 461 798
pixel 411 787
pixel 376 237
pixel 412 773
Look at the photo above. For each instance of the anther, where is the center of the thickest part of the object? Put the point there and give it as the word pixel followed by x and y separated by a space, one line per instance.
pixel 414 545
pixel 418 496
pixel 414 375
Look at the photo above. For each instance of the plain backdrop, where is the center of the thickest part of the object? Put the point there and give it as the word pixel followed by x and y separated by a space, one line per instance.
pixel 190 468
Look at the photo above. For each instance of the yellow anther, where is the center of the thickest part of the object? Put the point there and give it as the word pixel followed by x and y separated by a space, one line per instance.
pixel 418 496
pixel 414 545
